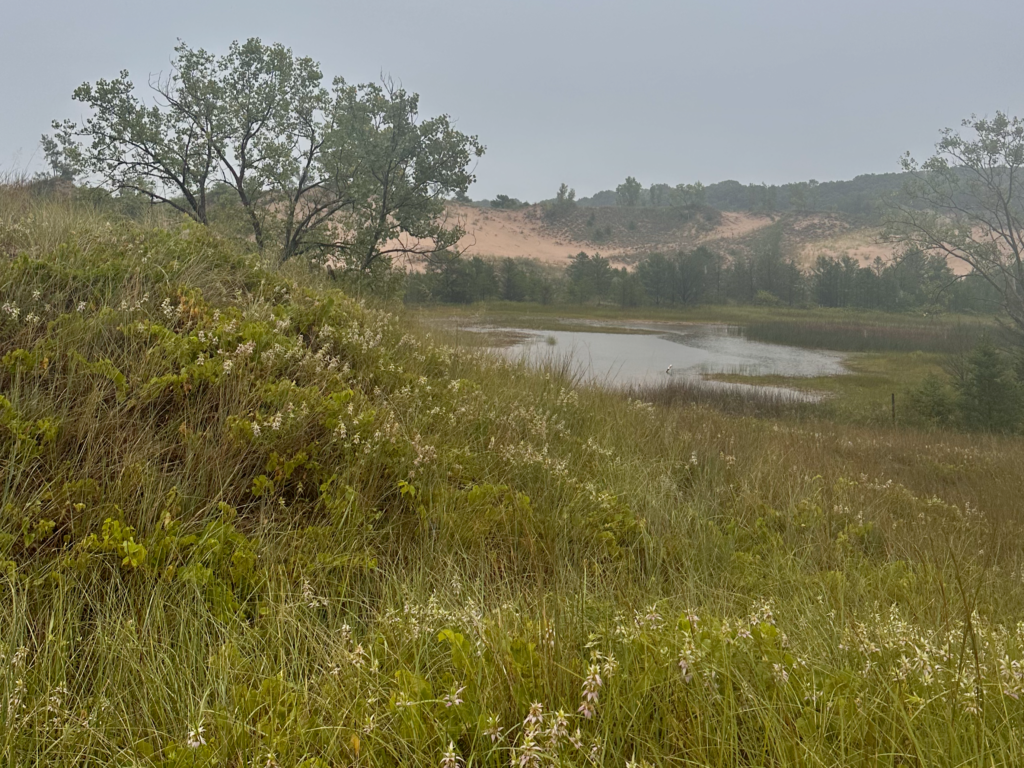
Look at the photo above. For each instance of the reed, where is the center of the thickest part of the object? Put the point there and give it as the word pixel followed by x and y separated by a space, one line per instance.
pixel 738 399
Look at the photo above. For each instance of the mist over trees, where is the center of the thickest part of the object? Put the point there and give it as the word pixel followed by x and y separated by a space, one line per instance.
pixel 320 169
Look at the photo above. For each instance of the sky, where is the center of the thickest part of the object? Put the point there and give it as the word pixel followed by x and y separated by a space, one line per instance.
pixel 579 92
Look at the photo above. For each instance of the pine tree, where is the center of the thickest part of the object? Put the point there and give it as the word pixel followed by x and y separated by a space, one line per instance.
pixel 990 396
pixel 933 400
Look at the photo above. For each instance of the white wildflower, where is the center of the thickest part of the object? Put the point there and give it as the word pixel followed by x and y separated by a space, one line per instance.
pixel 535 717
pixel 493 728
pixel 454 699
pixel 591 686
pixel 450 759
pixel 559 729
pixel 196 738
pixel 529 753
pixel 310 598
pixel 17 698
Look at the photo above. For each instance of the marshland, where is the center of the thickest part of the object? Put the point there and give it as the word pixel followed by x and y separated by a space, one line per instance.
pixel 294 471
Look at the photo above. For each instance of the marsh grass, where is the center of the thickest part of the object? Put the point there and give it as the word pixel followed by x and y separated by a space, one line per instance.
pixel 844 330
pixel 247 520
pixel 733 397
pixel 940 336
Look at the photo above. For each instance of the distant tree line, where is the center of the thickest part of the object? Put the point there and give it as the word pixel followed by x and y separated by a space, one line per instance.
pixel 763 276
pixel 506 203
pixel 863 197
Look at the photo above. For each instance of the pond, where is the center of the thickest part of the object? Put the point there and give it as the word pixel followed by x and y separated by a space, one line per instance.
pixel 649 353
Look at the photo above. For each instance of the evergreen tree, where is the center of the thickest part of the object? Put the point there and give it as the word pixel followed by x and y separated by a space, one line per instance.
pixel 933 400
pixel 990 395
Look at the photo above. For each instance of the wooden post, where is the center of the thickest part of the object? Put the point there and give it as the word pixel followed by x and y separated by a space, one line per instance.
pixel 894 409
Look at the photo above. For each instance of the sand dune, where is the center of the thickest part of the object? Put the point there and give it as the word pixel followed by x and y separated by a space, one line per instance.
pixel 491 232
pixel 524 233
pixel 513 233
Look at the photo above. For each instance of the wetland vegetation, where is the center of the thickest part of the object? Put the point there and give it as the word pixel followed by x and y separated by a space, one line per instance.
pixel 246 517
pixel 254 510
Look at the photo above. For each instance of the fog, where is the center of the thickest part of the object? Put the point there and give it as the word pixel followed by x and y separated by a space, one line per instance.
pixel 581 92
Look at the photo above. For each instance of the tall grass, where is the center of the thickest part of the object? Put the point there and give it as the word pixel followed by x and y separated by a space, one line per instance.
pixel 851 335
pixel 246 520
pixel 737 399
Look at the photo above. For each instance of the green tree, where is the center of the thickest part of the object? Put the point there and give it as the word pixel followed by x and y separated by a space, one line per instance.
pixel 161 154
pixel 769 260
pixel 657 274
pixel 514 280
pixel 626 288
pixel 688 194
pixel 453 279
pixel 833 280
pixel 563 204
pixel 659 195
pixel 766 198
pixel 921 279
pixel 933 401
pixel 966 202
pixel 340 172
pixel 990 395
pixel 589 276
pixel 506 203
pixel 250 93
pixel 628 192
pixel 798 196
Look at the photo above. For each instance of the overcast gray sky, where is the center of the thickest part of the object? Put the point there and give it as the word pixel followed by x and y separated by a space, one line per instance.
pixel 581 92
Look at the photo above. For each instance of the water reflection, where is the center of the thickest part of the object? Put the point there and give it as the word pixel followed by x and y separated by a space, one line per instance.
pixel 649 353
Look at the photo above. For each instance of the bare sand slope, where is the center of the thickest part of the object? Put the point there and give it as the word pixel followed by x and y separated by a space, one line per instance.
pixel 513 233
pixel 863 245
pixel 501 233
pixel 826 235
pixel 491 232
pixel 736 225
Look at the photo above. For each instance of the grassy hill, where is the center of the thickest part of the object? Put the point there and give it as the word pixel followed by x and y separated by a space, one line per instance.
pixel 632 229
pixel 248 520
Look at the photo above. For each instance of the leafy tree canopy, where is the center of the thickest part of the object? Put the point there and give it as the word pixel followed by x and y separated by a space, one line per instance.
pixel 339 172
pixel 628 192
pixel 966 202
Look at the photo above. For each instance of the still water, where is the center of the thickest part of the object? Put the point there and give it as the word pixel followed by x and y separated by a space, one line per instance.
pixel 644 352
